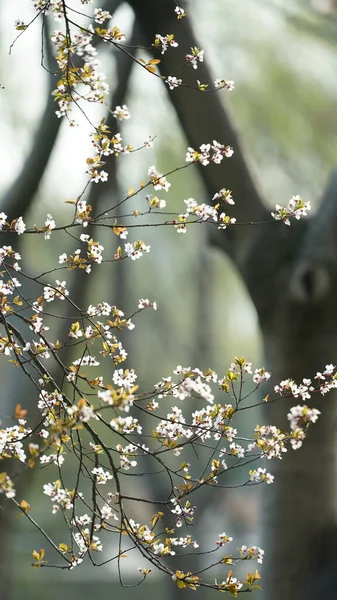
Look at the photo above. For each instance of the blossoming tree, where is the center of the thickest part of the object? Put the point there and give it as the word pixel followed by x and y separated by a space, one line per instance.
pixel 114 431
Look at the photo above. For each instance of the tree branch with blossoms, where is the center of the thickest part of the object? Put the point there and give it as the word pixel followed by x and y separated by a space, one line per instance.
pixel 95 418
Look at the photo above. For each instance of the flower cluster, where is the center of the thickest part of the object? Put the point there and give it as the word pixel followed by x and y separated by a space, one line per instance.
pixel 126 425
pixel 180 12
pixel 11 445
pixel 83 211
pixel 62 498
pixel 86 541
pixel 299 417
pixel 101 15
pixel 296 208
pixel 16 225
pixel 209 153
pixel 326 381
pixel 196 56
pixel 158 180
pixel 101 476
pixel 121 113
pixel 68 47
pixel 164 41
pixel 59 291
pixel 250 552
pixel 223 539
pixel 127 455
pixel 224 195
pixel 173 82
pixel 136 249
pixel 105 144
pixel 270 441
pixel 257 475
pixel 203 212
pixel 49 226
pixel 7 486
pixel 76 261
pixel 147 304
pixel 154 202
pixel 224 83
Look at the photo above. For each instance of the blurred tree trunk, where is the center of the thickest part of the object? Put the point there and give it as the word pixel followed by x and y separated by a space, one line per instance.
pixel 290 273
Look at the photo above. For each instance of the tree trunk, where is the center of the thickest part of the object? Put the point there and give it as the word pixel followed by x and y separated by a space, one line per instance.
pixel 291 276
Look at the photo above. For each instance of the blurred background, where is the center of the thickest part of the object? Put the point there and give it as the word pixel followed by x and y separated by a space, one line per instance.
pixel 282 58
